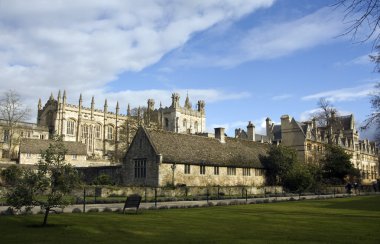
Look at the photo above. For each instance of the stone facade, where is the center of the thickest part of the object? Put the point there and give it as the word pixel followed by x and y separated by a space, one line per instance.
pixel 159 158
pixel 100 129
pixel 20 130
pixel 310 140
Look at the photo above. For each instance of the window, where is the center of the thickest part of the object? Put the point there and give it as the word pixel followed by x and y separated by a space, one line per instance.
pixel 166 122
pixel 202 169
pixel 259 172
pixel 28 155
pixel 216 170
pixel 29 134
pixel 246 172
pixel 6 135
pixel 70 127
pixel 98 131
pixel 196 126
pixel 41 137
pixel 110 132
pixel 140 168
pixel 185 123
pixel 309 147
pixel 187 169
pixel 231 171
pixel 74 157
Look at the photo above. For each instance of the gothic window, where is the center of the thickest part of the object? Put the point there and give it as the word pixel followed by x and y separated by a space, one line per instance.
pixel 185 123
pixel 166 123
pixel 246 172
pixel 231 171
pixel 70 127
pixel 140 168
pixel 196 126
pixel 6 135
pixel 216 170
pixel 109 132
pixel 187 169
pixel 98 131
pixel 202 169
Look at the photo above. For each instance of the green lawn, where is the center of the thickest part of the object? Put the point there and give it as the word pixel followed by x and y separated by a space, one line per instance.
pixel 348 220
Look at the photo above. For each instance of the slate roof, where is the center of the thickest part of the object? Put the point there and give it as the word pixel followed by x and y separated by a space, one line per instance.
pixel 35 146
pixel 193 149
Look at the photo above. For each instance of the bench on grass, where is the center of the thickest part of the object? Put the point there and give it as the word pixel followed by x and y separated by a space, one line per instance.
pixel 133 201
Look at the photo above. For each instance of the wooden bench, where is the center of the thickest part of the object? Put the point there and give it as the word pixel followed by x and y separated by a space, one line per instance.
pixel 133 201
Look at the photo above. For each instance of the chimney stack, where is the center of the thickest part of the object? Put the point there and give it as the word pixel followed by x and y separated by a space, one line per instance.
pixel 219 134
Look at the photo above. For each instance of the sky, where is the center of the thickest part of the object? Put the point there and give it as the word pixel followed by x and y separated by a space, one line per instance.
pixel 248 59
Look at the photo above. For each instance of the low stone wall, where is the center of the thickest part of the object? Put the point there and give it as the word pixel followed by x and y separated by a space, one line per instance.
pixel 187 191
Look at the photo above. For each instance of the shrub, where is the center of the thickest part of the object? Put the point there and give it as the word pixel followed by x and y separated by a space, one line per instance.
pixel 93 210
pixel 210 204
pixel 76 210
pixel 259 201
pixel 118 210
pixel 235 202
pixel 8 211
pixel 107 210
pixel 174 207
pixel 27 211
pixel 152 208
pixel 292 199
pixel 266 201
pixel 163 207
pixel 221 204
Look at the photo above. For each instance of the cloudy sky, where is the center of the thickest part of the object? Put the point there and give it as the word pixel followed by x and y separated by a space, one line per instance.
pixel 248 59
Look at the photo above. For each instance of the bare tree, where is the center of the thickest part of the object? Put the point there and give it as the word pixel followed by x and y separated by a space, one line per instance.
pixel 363 14
pixel 374 118
pixel 327 116
pixel 12 112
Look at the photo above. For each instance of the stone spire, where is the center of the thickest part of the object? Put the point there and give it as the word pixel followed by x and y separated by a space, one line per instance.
pixel 92 102
pixel 64 95
pixel 105 106
pixel 80 100
pixel 160 104
pixel 51 97
pixel 129 110
pixel 92 107
pixel 59 96
pixel 117 107
pixel 39 104
pixel 188 104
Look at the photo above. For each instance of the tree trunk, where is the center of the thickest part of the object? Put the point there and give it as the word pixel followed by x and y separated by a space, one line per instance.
pixel 47 210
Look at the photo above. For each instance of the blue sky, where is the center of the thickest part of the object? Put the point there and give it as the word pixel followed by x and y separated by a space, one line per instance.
pixel 247 59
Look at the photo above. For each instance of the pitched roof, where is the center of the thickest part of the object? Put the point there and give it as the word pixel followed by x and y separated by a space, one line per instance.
pixel 35 146
pixel 193 149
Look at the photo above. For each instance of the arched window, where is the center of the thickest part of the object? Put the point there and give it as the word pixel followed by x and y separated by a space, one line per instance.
pixel 185 123
pixel 196 126
pixel 98 131
pixel 166 122
pixel 70 129
pixel 109 132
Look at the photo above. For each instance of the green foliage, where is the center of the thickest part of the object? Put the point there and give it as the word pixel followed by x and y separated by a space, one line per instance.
pixel 298 179
pixel 11 174
pixel 47 186
pixel 336 165
pixel 103 179
pixel 278 163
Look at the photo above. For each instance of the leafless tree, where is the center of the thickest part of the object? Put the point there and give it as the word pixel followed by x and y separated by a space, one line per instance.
pixel 363 14
pixel 374 118
pixel 327 117
pixel 12 112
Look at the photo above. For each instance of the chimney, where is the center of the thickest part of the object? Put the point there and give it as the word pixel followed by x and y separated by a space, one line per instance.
pixel 251 131
pixel 219 134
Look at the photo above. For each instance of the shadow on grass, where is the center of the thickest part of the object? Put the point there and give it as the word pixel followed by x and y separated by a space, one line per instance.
pixel 40 226
pixel 368 203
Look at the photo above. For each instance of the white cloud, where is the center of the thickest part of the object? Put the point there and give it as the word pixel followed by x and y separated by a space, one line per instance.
pixel 260 126
pixel 282 97
pixel 361 60
pixel 270 41
pixel 345 94
pixel 84 45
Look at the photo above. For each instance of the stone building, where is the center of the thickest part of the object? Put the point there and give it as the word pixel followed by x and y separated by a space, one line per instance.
pixel 30 152
pixel 20 130
pixel 100 129
pixel 250 134
pixel 309 139
pixel 162 158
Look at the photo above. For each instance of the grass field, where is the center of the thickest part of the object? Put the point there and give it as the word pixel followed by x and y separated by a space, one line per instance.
pixel 346 220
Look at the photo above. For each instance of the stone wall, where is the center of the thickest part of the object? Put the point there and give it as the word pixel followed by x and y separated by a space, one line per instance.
pixel 194 178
